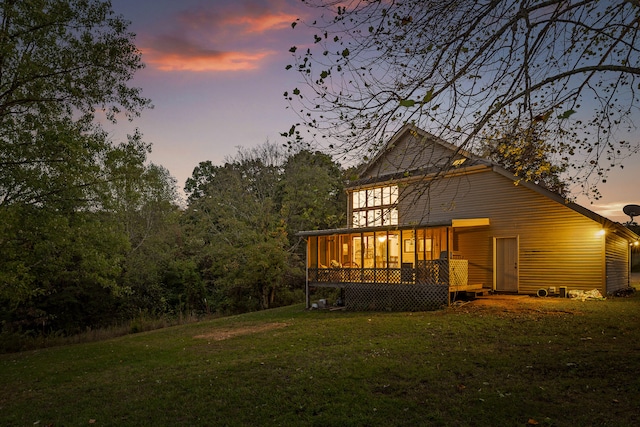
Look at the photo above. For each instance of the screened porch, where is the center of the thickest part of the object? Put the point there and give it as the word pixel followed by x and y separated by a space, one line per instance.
pixel 406 268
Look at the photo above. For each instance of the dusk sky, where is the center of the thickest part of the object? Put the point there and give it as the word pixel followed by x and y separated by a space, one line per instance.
pixel 215 72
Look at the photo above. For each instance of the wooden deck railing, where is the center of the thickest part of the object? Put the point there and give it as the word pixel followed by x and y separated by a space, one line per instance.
pixel 359 275
pixel 433 272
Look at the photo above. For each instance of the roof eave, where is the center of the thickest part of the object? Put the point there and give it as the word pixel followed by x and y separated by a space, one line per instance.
pixel 328 232
pixel 605 222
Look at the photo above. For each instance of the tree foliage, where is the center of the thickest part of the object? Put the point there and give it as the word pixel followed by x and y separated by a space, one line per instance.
pixel 527 153
pixel 91 233
pixel 243 216
pixel 312 192
pixel 61 58
pixel 60 62
pixel 145 205
pixel 237 224
pixel 468 70
pixel 77 264
pixel 62 245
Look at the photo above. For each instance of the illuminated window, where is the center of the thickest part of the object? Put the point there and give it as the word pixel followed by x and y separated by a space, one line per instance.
pixel 359 219
pixel 375 207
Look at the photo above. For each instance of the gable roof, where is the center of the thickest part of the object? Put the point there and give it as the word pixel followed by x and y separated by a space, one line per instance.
pixel 400 159
pixel 413 152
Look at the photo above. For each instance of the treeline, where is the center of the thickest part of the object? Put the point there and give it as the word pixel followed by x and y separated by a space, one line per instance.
pixel 91 234
pixel 94 256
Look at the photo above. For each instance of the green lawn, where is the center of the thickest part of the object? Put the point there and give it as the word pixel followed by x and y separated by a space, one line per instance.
pixel 551 362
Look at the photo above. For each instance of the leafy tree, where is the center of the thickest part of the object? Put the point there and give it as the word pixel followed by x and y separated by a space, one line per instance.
pixel 61 251
pixel 52 264
pixel 81 286
pixel 528 153
pixel 71 263
pixel 243 216
pixel 52 208
pixel 60 61
pixel 196 185
pixel 147 208
pixel 312 192
pixel 237 214
pixel 457 69
pixel 64 58
pixel 185 291
pixel 91 261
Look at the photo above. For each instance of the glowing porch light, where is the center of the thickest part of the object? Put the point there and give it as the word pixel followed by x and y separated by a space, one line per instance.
pixel 601 232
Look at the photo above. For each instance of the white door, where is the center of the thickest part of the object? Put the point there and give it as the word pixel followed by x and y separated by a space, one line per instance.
pixel 506 264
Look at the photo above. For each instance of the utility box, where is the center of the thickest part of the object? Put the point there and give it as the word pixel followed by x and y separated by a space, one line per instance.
pixel 562 291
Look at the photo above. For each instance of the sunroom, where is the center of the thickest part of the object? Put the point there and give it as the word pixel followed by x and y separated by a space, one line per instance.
pixel 390 267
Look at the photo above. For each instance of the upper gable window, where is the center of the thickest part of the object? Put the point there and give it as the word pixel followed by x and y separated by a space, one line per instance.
pixel 375 207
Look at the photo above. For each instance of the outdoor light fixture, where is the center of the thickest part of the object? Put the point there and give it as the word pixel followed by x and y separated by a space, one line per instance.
pixel 601 232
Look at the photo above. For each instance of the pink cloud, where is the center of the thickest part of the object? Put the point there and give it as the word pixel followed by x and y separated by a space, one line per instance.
pixel 204 61
pixel 262 23
pixel 219 37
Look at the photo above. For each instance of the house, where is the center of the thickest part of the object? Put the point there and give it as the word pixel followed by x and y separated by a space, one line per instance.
pixel 428 220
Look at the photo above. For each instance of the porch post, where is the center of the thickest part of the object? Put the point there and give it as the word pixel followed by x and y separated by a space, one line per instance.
pixel 306 277
pixel 449 231
pixel 630 263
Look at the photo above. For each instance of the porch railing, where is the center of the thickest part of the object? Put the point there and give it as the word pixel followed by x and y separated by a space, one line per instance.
pixel 360 275
pixel 432 272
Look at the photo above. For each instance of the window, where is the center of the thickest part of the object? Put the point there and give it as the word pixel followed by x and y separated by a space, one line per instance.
pixel 375 207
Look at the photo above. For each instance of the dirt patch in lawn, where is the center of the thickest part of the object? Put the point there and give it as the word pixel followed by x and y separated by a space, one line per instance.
pixel 226 333
pixel 517 304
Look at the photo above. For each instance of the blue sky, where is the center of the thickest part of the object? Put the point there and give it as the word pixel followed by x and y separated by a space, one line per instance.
pixel 215 72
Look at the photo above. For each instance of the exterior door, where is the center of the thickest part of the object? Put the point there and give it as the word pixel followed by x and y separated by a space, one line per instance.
pixel 506 264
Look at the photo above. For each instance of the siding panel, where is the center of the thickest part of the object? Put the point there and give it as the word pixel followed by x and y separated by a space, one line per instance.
pixel 558 246
pixel 617 263
pixel 410 152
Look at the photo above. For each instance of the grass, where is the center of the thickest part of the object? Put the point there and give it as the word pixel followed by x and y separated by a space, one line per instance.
pixel 11 343
pixel 550 362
